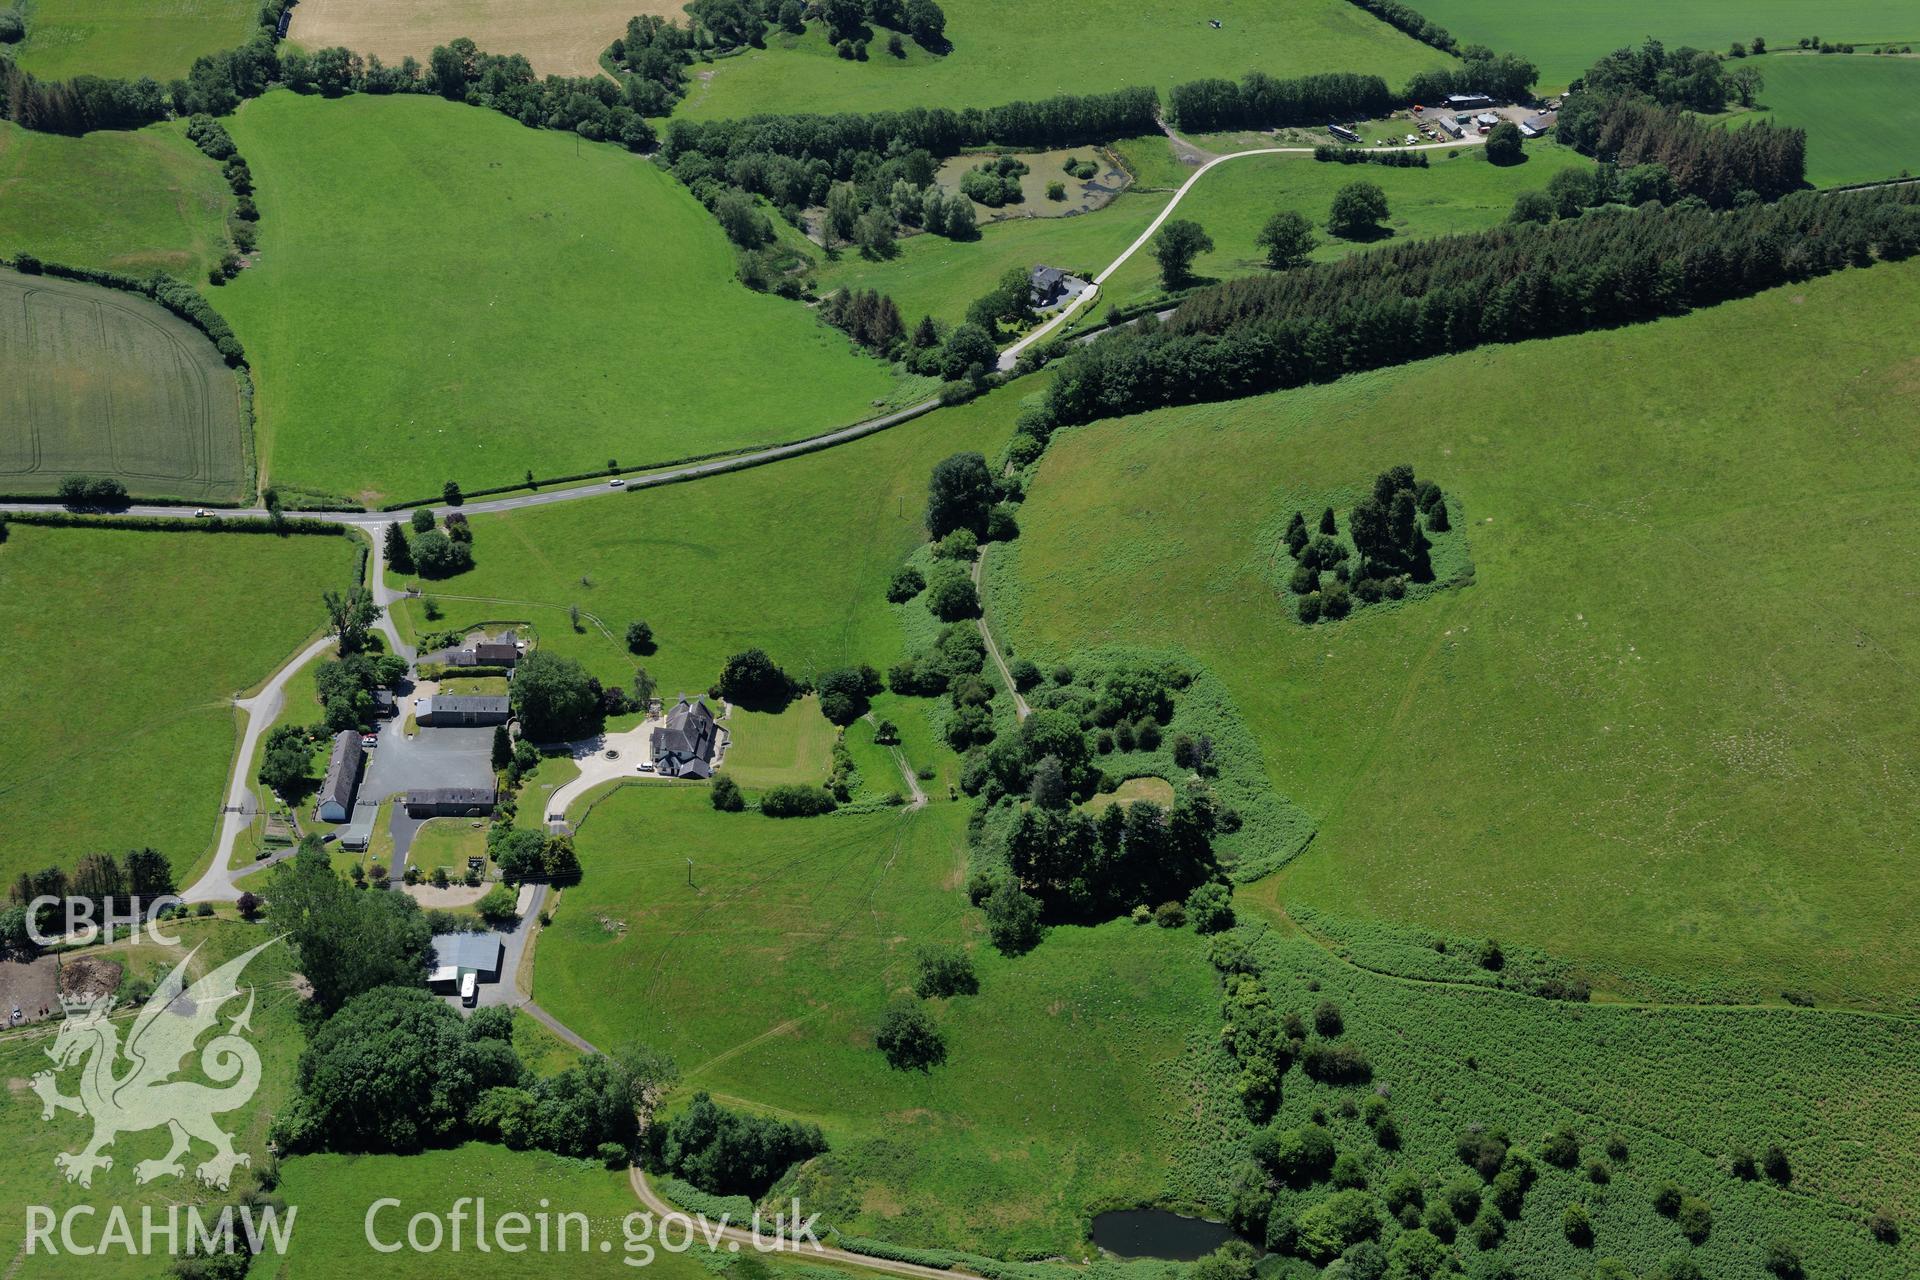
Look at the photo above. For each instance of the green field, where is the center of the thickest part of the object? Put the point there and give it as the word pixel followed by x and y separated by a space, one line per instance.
pixel 115 731
pixel 101 382
pixel 1007 51
pixel 447 842
pixel 793 558
pixel 446 294
pixel 137 202
pixel 27 1166
pixel 765 980
pixel 1563 41
pixel 1861 113
pixel 1457 193
pixel 1662 732
pixel 129 38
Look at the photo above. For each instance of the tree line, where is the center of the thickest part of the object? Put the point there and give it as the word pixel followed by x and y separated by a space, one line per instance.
pixel 1261 101
pixel 1506 284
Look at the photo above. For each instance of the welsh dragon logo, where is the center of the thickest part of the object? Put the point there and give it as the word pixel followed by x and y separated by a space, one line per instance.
pixel 130 1088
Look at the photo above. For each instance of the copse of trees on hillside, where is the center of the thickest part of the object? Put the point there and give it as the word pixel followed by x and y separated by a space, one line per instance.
pixel 1722 167
pixel 140 874
pixel 1505 284
pixel 1695 79
pixel 726 1152
pixel 1387 532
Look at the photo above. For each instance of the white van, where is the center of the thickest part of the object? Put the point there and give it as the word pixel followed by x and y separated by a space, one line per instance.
pixel 469 990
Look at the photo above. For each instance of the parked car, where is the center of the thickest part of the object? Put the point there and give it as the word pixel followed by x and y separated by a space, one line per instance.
pixel 645 766
pixel 369 740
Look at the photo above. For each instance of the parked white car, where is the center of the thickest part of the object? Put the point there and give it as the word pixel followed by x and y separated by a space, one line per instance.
pixel 645 766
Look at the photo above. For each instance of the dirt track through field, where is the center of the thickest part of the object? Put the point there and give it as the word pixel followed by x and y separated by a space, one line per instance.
pixel 564 38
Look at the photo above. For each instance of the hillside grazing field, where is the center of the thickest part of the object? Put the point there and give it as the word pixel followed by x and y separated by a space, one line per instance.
pixel 139 202
pixel 27 1166
pixel 115 731
pixel 1861 113
pixel 108 383
pixel 444 293
pixel 1066 1084
pixel 559 39
pixel 1454 194
pixel 1008 50
pixel 793 558
pixel 1564 40
pixel 129 38
pixel 1664 731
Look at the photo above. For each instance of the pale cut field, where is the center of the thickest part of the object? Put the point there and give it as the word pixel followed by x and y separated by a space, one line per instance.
pixel 559 37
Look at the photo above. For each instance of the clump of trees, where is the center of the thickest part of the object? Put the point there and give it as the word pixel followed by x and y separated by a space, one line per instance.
pixel 92 493
pixel 729 1152
pixel 1175 247
pixel 845 692
pixel 1260 101
pixel 995 182
pixel 1359 155
pixel 1357 211
pixel 140 875
pixel 430 548
pixel 554 698
pixel 1387 530
pixel 867 316
pixel 909 1039
pixel 752 680
pixel 796 800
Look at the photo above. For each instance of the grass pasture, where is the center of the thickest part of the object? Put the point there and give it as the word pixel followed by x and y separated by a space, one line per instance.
pixel 792 558
pixel 1643 739
pixel 564 39
pixel 116 730
pixel 1455 194
pixel 136 201
pixel 1007 51
pixel 765 981
pixel 1861 113
pixel 129 38
pixel 108 383
pixel 1564 41
pixel 444 293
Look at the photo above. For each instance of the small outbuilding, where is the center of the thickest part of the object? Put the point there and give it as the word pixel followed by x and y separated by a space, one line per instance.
pixel 343 776
pixel 1468 101
pixel 1450 127
pixel 1534 126
pixel 462 959
pixel 466 711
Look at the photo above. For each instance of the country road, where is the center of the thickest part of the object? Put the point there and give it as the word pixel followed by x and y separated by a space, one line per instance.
pixel 1012 354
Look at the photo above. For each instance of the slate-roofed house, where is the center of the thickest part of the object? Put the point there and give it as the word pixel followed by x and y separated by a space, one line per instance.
pixel 343 775
pixel 1049 285
pixel 463 710
pixel 450 802
pixel 683 747
pixel 1534 126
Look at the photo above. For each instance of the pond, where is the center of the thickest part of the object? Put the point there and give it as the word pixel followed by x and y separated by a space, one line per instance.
pixel 1156 1233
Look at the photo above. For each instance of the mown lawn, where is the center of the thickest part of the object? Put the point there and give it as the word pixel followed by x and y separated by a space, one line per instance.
pixel 444 294
pixel 130 38
pixel 1065 1084
pixel 792 558
pixel 1458 192
pixel 1663 731
pixel 767 750
pixel 139 202
pixel 1006 51
pixel 1563 41
pixel 447 842
pixel 1861 112
pixel 27 1166
pixel 115 728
